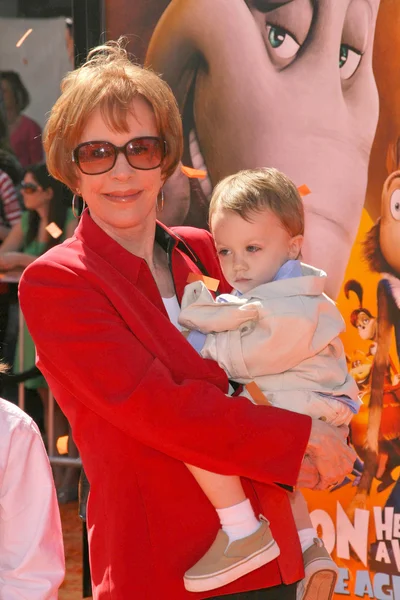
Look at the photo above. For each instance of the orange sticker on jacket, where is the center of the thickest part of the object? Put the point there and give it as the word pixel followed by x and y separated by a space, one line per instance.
pixel 256 393
pixel 193 173
pixel 54 230
pixel 304 190
pixel 210 283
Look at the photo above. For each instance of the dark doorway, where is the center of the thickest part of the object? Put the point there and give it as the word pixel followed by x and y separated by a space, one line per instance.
pixel 88 19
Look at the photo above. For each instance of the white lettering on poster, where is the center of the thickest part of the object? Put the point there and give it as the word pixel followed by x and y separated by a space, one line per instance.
pixel 373 537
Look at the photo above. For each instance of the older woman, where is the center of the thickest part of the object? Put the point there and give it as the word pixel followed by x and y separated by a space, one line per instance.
pixel 140 400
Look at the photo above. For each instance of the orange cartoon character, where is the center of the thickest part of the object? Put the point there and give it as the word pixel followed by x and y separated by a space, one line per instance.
pixel 381 442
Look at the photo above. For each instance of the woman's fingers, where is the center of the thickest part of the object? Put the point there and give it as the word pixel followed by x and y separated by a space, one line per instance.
pixel 308 476
pixel 329 452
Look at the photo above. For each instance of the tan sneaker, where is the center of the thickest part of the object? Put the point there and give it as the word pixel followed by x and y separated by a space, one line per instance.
pixel 225 562
pixel 320 574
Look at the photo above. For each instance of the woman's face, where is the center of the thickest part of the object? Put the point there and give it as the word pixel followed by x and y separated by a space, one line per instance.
pixel 122 200
pixel 35 197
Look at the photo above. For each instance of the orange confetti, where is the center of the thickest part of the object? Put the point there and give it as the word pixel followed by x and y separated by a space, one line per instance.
pixel 54 230
pixel 256 393
pixel 62 444
pixel 210 283
pixel 304 190
pixel 21 40
pixel 193 173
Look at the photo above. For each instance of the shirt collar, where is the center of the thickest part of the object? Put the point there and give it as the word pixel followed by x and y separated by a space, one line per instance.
pixel 289 269
pixel 111 251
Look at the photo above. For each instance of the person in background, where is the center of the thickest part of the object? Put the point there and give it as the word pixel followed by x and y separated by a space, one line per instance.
pixel 11 174
pixel 45 204
pixel 46 222
pixel 8 161
pixel 31 545
pixel 102 309
pixel 10 208
pixel 25 134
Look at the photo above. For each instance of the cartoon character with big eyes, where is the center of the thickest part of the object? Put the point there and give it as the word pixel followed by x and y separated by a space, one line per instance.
pixel 380 436
pixel 276 83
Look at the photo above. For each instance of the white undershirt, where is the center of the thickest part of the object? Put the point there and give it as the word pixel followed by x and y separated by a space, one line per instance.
pixel 173 309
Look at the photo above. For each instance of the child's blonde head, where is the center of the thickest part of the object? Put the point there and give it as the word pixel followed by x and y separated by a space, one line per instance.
pixel 254 190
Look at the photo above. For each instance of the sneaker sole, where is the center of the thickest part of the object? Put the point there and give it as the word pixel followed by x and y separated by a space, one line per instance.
pixel 247 565
pixel 320 586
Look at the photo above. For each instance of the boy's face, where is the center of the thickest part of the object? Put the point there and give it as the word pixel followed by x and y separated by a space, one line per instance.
pixel 252 252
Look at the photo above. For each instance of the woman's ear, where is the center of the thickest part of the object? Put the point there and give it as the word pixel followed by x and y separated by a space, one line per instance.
pixel 295 244
pixel 49 193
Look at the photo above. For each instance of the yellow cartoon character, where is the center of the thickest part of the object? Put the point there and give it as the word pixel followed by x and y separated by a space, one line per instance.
pixel 360 365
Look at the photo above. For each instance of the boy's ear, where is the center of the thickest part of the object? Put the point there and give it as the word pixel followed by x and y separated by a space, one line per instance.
pixel 295 245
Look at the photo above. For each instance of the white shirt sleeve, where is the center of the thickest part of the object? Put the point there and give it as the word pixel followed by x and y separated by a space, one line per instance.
pixel 31 546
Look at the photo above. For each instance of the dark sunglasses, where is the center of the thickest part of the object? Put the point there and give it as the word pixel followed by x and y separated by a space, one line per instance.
pixel 29 188
pixel 144 153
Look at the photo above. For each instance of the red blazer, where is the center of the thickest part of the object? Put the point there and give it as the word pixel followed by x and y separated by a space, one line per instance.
pixel 141 402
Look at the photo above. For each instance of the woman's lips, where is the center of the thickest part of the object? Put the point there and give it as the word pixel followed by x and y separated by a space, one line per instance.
pixel 123 197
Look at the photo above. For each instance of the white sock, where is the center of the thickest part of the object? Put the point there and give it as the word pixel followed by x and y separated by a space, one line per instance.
pixel 238 521
pixel 306 537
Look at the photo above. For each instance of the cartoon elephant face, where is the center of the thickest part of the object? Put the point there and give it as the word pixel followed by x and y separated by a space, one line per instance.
pixel 390 222
pixel 287 84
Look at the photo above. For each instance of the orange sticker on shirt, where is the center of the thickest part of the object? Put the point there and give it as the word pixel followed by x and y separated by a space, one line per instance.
pixel 193 173
pixel 304 190
pixel 210 283
pixel 54 230
pixel 256 393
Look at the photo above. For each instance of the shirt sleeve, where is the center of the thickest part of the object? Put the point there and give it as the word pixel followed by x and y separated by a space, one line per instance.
pixel 80 333
pixel 31 546
pixel 196 339
pixel 9 198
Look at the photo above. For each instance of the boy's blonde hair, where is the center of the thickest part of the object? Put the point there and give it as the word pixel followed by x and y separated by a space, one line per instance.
pixel 251 191
pixel 108 81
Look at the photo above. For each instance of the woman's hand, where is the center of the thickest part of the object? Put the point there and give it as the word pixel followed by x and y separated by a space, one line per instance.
pixel 328 457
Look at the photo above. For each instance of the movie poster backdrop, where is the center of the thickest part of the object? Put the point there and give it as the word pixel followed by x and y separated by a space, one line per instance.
pixel 311 87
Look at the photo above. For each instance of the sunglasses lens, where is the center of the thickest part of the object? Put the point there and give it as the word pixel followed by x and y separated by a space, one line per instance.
pixel 29 188
pixel 95 158
pixel 145 153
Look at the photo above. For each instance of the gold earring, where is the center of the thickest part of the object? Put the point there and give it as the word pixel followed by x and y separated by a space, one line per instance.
pixel 74 207
pixel 160 204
